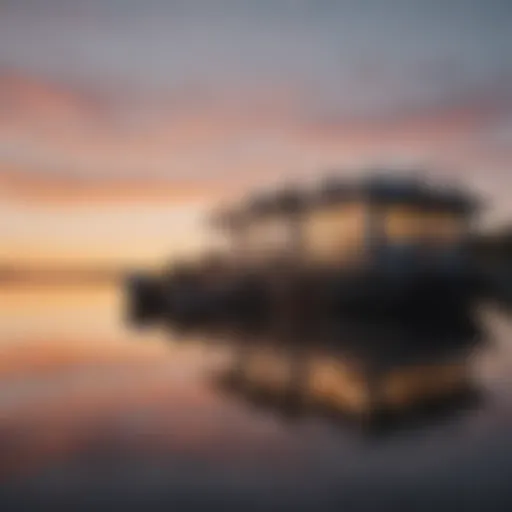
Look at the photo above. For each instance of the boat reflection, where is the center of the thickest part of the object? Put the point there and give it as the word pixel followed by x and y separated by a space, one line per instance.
pixel 377 376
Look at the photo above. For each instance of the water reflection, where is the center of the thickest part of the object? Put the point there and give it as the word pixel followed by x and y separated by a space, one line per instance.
pixel 375 375
pixel 117 416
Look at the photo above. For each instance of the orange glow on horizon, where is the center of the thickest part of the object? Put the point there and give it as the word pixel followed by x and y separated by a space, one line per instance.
pixel 71 152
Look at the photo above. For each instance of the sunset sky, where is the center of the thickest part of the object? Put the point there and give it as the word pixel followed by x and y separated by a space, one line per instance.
pixel 123 121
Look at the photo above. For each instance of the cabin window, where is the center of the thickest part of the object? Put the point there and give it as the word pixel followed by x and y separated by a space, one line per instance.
pixel 406 224
pixel 335 234
pixel 268 237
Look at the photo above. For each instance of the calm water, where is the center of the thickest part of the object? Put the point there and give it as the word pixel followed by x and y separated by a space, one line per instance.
pixel 95 413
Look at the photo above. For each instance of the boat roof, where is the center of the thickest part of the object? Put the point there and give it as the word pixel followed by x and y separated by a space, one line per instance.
pixel 264 204
pixel 393 189
pixel 377 188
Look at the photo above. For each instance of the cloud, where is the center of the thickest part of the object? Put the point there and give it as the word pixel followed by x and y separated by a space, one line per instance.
pixel 61 190
pixel 59 143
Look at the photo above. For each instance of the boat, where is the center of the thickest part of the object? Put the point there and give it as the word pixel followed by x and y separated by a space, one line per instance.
pixel 380 244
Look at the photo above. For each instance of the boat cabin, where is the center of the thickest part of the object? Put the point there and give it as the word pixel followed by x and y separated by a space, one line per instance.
pixel 266 228
pixel 354 222
pixel 343 222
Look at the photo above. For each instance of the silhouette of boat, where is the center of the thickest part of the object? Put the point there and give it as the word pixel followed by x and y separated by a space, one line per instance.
pixel 348 369
pixel 379 245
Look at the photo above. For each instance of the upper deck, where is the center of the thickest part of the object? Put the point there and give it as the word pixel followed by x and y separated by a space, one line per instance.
pixel 346 220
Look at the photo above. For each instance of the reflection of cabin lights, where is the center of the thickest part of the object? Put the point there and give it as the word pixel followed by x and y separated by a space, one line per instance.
pixel 268 370
pixel 334 384
pixel 343 385
pixel 404 386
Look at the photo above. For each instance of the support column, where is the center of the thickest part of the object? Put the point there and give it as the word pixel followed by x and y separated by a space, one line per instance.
pixel 375 230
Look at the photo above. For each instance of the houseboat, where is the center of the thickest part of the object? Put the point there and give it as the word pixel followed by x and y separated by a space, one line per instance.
pixel 379 244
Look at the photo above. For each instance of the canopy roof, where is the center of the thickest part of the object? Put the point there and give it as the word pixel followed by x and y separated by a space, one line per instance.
pixel 373 188
pixel 389 189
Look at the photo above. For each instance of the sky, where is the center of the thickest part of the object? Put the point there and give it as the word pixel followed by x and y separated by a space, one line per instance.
pixel 122 122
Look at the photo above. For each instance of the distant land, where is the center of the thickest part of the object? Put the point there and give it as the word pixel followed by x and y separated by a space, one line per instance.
pixel 492 249
pixel 72 275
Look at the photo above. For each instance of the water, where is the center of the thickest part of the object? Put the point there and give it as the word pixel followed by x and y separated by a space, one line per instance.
pixel 95 413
